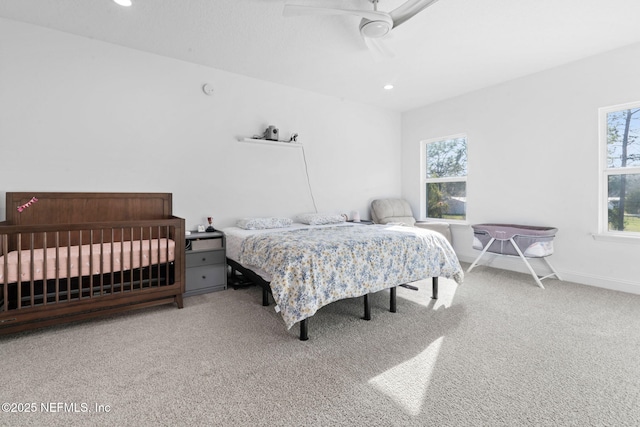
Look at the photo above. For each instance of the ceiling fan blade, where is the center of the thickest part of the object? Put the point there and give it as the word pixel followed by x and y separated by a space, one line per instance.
pixel 378 50
pixel 296 10
pixel 409 9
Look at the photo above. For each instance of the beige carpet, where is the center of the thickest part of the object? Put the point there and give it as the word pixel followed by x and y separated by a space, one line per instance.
pixel 496 351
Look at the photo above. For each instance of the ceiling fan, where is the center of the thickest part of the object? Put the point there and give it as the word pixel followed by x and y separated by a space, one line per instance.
pixel 374 24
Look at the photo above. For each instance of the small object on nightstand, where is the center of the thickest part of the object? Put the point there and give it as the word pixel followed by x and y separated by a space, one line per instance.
pixel 355 215
pixel 210 228
pixel 201 229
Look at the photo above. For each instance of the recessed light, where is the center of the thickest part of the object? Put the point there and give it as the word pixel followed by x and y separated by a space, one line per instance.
pixel 125 3
pixel 388 87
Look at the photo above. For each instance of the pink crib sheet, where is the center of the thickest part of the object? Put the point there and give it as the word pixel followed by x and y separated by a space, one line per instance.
pixel 95 259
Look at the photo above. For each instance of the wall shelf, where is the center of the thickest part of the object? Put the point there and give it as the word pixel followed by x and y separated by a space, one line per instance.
pixel 269 142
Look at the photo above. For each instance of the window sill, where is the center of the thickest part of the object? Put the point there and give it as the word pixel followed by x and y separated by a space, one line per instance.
pixel 617 238
pixel 452 222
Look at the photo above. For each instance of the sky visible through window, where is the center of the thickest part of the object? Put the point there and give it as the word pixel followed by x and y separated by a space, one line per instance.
pixel 447 158
pixel 623 138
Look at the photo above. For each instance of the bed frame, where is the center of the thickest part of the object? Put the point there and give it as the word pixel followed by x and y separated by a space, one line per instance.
pixel 304 324
pixel 102 224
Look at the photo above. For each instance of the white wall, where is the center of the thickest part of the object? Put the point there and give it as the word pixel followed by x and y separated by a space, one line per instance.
pixel 81 115
pixel 533 159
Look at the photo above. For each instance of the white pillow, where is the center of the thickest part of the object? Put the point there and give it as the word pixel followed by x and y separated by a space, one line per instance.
pixel 263 223
pixel 320 218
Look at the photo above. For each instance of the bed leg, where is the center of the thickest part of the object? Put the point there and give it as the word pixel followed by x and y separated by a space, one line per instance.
pixel 304 330
pixel 265 296
pixel 392 300
pixel 367 308
pixel 178 300
pixel 434 288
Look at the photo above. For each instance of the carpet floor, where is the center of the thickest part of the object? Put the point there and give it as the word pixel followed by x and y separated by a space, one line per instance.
pixel 495 351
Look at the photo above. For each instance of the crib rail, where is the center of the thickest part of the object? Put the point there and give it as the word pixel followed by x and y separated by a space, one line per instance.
pixel 59 265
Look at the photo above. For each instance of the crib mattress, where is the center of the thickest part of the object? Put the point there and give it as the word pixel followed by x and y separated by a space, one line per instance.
pixel 86 259
pixel 533 241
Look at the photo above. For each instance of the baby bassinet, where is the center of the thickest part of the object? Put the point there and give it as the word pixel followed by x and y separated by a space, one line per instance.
pixel 525 241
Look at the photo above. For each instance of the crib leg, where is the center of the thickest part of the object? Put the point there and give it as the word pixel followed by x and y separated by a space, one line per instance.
pixel 533 272
pixel 481 254
pixel 178 300
pixel 367 308
pixel 552 269
pixel 392 300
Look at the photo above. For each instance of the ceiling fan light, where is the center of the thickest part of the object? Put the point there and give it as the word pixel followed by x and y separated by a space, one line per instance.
pixel 375 29
pixel 125 3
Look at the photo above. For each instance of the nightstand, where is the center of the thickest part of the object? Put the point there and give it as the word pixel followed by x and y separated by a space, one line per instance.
pixel 206 263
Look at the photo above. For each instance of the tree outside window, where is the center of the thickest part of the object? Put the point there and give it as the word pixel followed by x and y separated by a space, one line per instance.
pixel 621 173
pixel 444 177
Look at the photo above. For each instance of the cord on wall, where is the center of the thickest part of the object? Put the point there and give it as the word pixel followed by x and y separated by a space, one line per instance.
pixel 306 169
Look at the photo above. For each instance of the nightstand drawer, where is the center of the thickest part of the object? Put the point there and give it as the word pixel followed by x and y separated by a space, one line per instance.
pixel 205 277
pixel 200 258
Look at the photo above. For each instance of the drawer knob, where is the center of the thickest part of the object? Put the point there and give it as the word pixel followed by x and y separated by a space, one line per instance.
pixel 204 259
pixel 204 277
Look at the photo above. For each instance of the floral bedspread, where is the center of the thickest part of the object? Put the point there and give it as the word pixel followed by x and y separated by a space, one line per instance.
pixel 313 267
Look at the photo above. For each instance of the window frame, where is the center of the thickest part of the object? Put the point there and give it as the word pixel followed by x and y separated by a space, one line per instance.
pixel 605 172
pixel 424 180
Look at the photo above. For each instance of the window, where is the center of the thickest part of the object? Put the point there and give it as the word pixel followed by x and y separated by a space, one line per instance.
pixel 620 169
pixel 444 178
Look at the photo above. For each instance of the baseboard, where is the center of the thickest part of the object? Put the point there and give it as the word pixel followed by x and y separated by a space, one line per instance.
pixel 516 264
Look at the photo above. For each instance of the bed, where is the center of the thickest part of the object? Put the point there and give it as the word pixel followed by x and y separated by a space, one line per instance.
pixel 71 256
pixel 306 267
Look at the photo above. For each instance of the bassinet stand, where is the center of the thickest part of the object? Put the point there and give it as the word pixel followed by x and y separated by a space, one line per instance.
pixel 502 235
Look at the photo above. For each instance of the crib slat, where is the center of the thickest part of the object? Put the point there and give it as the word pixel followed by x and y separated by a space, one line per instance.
pixel 111 262
pixel 166 269
pixel 150 256
pixel 57 266
pixel 131 260
pixel 122 259
pixel 5 288
pixel 19 270
pixel 141 266
pixel 159 251
pixel 80 266
pixel 44 270
pixel 101 263
pixel 156 270
pixel 32 268
pixel 167 237
pixel 90 263
pixel 69 265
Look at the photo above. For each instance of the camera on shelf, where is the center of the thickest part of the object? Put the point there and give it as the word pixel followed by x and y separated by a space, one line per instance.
pixel 271 133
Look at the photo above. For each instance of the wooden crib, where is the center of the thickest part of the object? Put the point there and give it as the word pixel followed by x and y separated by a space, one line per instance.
pixel 72 256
